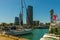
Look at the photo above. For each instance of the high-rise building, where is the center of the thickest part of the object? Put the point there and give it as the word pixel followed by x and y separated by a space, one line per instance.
pixel 51 14
pixel 36 23
pixel 16 20
pixel 29 18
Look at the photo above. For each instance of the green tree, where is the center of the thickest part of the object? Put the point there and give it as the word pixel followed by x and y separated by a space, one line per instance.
pixel 47 24
pixel 11 24
pixel 4 24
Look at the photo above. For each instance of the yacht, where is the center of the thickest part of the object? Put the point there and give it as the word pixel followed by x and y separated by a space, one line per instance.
pixel 18 32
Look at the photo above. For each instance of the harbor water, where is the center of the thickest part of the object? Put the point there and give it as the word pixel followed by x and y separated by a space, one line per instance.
pixel 36 34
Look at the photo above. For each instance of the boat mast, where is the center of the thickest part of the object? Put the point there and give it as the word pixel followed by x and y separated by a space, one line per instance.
pixel 21 14
pixel 22 6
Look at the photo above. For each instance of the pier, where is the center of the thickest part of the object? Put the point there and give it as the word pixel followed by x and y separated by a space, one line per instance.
pixel 9 37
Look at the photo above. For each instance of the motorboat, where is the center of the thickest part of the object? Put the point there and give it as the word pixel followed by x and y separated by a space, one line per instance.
pixel 49 37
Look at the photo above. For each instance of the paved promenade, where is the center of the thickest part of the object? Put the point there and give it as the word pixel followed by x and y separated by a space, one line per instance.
pixel 9 37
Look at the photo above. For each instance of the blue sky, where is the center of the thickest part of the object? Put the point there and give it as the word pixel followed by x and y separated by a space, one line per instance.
pixel 11 8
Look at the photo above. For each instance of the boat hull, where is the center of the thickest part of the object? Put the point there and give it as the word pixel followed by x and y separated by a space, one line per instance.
pixel 15 32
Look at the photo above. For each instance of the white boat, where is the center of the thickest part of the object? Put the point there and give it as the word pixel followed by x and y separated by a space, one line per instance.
pixel 49 37
pixel 18 32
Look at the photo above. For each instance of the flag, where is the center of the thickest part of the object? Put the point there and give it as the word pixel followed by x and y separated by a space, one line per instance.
pixel 54 17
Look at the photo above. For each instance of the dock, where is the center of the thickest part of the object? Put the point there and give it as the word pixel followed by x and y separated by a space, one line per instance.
pixel 9 37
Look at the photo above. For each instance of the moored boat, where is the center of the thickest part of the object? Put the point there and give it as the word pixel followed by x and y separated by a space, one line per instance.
pixel 49 37
pixel 18 32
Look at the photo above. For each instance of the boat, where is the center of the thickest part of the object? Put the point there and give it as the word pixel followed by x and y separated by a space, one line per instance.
pixel 49 37
pixel 43 27
pixel 18 32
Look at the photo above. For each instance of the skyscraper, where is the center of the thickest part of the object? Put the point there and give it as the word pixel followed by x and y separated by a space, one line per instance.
pixel 29 18
pixel 51 14
pixel 16 20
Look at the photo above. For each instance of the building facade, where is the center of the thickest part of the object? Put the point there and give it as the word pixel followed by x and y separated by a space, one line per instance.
pixel 29 19
pixel 51 14
pixel 36 23
pixel 16 21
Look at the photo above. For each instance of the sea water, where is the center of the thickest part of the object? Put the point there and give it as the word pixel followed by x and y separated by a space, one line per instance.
pixel 36 34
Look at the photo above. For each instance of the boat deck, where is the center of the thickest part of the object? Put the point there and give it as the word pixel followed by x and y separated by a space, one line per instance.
pixel 50 37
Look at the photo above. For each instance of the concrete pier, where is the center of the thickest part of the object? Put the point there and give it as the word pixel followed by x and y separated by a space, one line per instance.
pixel 9 37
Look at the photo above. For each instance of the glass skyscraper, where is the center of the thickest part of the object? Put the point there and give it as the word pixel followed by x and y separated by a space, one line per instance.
pixel 29 18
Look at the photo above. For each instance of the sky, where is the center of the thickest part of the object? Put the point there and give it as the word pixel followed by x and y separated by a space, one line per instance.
pixel 9 9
